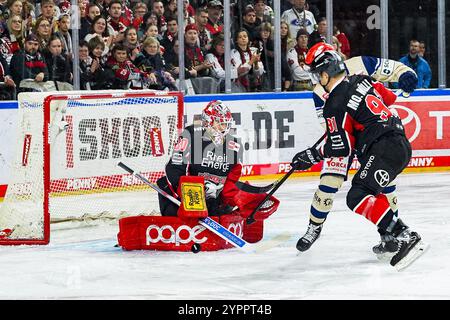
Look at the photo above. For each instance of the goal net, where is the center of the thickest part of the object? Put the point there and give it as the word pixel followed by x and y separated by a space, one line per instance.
pixel 68 148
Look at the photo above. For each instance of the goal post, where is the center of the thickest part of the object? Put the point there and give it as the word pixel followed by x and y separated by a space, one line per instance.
pixel 68 145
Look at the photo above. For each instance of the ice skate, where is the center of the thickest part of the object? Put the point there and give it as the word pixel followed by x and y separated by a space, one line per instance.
pixel 388 246
pixel 311 235
pixel 411 247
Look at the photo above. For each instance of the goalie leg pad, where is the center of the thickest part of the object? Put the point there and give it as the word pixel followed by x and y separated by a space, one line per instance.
pixel 174 233
pixel 323 197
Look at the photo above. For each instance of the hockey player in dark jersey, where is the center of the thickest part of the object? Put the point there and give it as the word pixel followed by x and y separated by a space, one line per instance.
pixel 206 150
pixel 335 169
pixel 358 120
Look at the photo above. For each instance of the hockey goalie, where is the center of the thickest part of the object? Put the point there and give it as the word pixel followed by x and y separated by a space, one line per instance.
pixel 202 173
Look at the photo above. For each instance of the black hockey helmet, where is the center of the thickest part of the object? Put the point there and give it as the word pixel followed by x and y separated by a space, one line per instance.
pixel 323 58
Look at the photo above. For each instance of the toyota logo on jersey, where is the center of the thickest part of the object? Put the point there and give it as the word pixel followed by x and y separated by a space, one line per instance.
pixel 382 178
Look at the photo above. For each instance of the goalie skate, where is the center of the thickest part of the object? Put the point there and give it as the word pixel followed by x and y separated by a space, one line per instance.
pixel 409 250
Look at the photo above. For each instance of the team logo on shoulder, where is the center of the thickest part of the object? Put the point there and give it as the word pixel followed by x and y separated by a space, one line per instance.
pixel 233 145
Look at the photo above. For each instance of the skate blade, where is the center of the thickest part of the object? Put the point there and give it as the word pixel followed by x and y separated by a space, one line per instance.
pixel 385 257
pixel 418 250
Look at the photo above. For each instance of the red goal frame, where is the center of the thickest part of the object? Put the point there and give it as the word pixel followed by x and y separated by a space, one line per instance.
pixel 46 146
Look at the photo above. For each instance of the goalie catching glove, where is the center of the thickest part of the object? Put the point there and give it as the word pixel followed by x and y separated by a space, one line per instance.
pixel 306 159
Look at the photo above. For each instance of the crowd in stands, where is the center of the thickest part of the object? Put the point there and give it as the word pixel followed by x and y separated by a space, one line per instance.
pixel 131 44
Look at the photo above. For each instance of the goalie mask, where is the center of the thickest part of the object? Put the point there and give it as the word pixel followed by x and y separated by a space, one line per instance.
pixel 217 120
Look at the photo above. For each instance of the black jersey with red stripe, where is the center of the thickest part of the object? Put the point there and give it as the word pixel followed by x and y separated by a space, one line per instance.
pixel 357 114
pixel 196 155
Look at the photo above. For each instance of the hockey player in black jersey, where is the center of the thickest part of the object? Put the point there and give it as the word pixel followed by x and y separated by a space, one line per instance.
pixel 206 150
pixel 358 120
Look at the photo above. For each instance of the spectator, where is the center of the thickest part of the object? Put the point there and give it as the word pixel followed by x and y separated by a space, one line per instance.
pixel 194 58
pixel 29 15
pixel 66 7
pixel 246 66
pixel 418 64
pixel 64 35
pixel 103 6
pixel 117 21
pixel 139 11
pixel 43 31
pixel 343 40
pixel 28 64
pixel 149 19
pixel 15 41
pixel 287 42
pixel 204 36
pixel 58 65
pixel 337 47
pixel 188 18
pixel 131 43
pixel 85 66
pixel 101 77
pixel 264 13
pixel 14 8
pixel 215 57
pixel 99 30
pixel 319 35
pixel 173 66
pixel 170 10
pixel 215 11
pixel 7 83
pixel 301 76
pixel 264 44
pixel 152 31
pixel 298 17
pixel 50 11
pixel 158 10
pixel 151 63
pixel 86 22
pixel 170 35
pixel 126 74
pixel 249 23
pixel 422 49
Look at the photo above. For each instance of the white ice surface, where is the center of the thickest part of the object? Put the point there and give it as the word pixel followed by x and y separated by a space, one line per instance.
pixel 82 263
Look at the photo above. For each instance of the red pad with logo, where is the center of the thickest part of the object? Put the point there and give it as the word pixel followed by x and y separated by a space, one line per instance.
pixel 192 192
pixel 247 202
pixel 174 233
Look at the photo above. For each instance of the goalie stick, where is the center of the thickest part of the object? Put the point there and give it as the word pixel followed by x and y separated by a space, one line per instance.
pixel 207 222
pixel 277 184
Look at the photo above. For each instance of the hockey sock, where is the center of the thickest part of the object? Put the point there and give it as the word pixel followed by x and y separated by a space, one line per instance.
pixel 391 195
pixel 375 209
pixel 323 197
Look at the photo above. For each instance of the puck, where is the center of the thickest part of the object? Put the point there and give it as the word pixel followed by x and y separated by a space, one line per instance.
pixel 196 248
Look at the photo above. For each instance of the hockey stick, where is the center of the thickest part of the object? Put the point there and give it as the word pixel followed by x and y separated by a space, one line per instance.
pixel 207 222
pixel 277 184
pixel 254 189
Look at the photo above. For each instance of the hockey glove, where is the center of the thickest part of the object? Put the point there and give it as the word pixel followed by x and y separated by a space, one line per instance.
pixel 217 209
pixel 212 190
pixel 407 82
pixel 306 159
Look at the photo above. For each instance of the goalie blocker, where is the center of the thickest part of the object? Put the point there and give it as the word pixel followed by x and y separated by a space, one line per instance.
pixel 182 232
